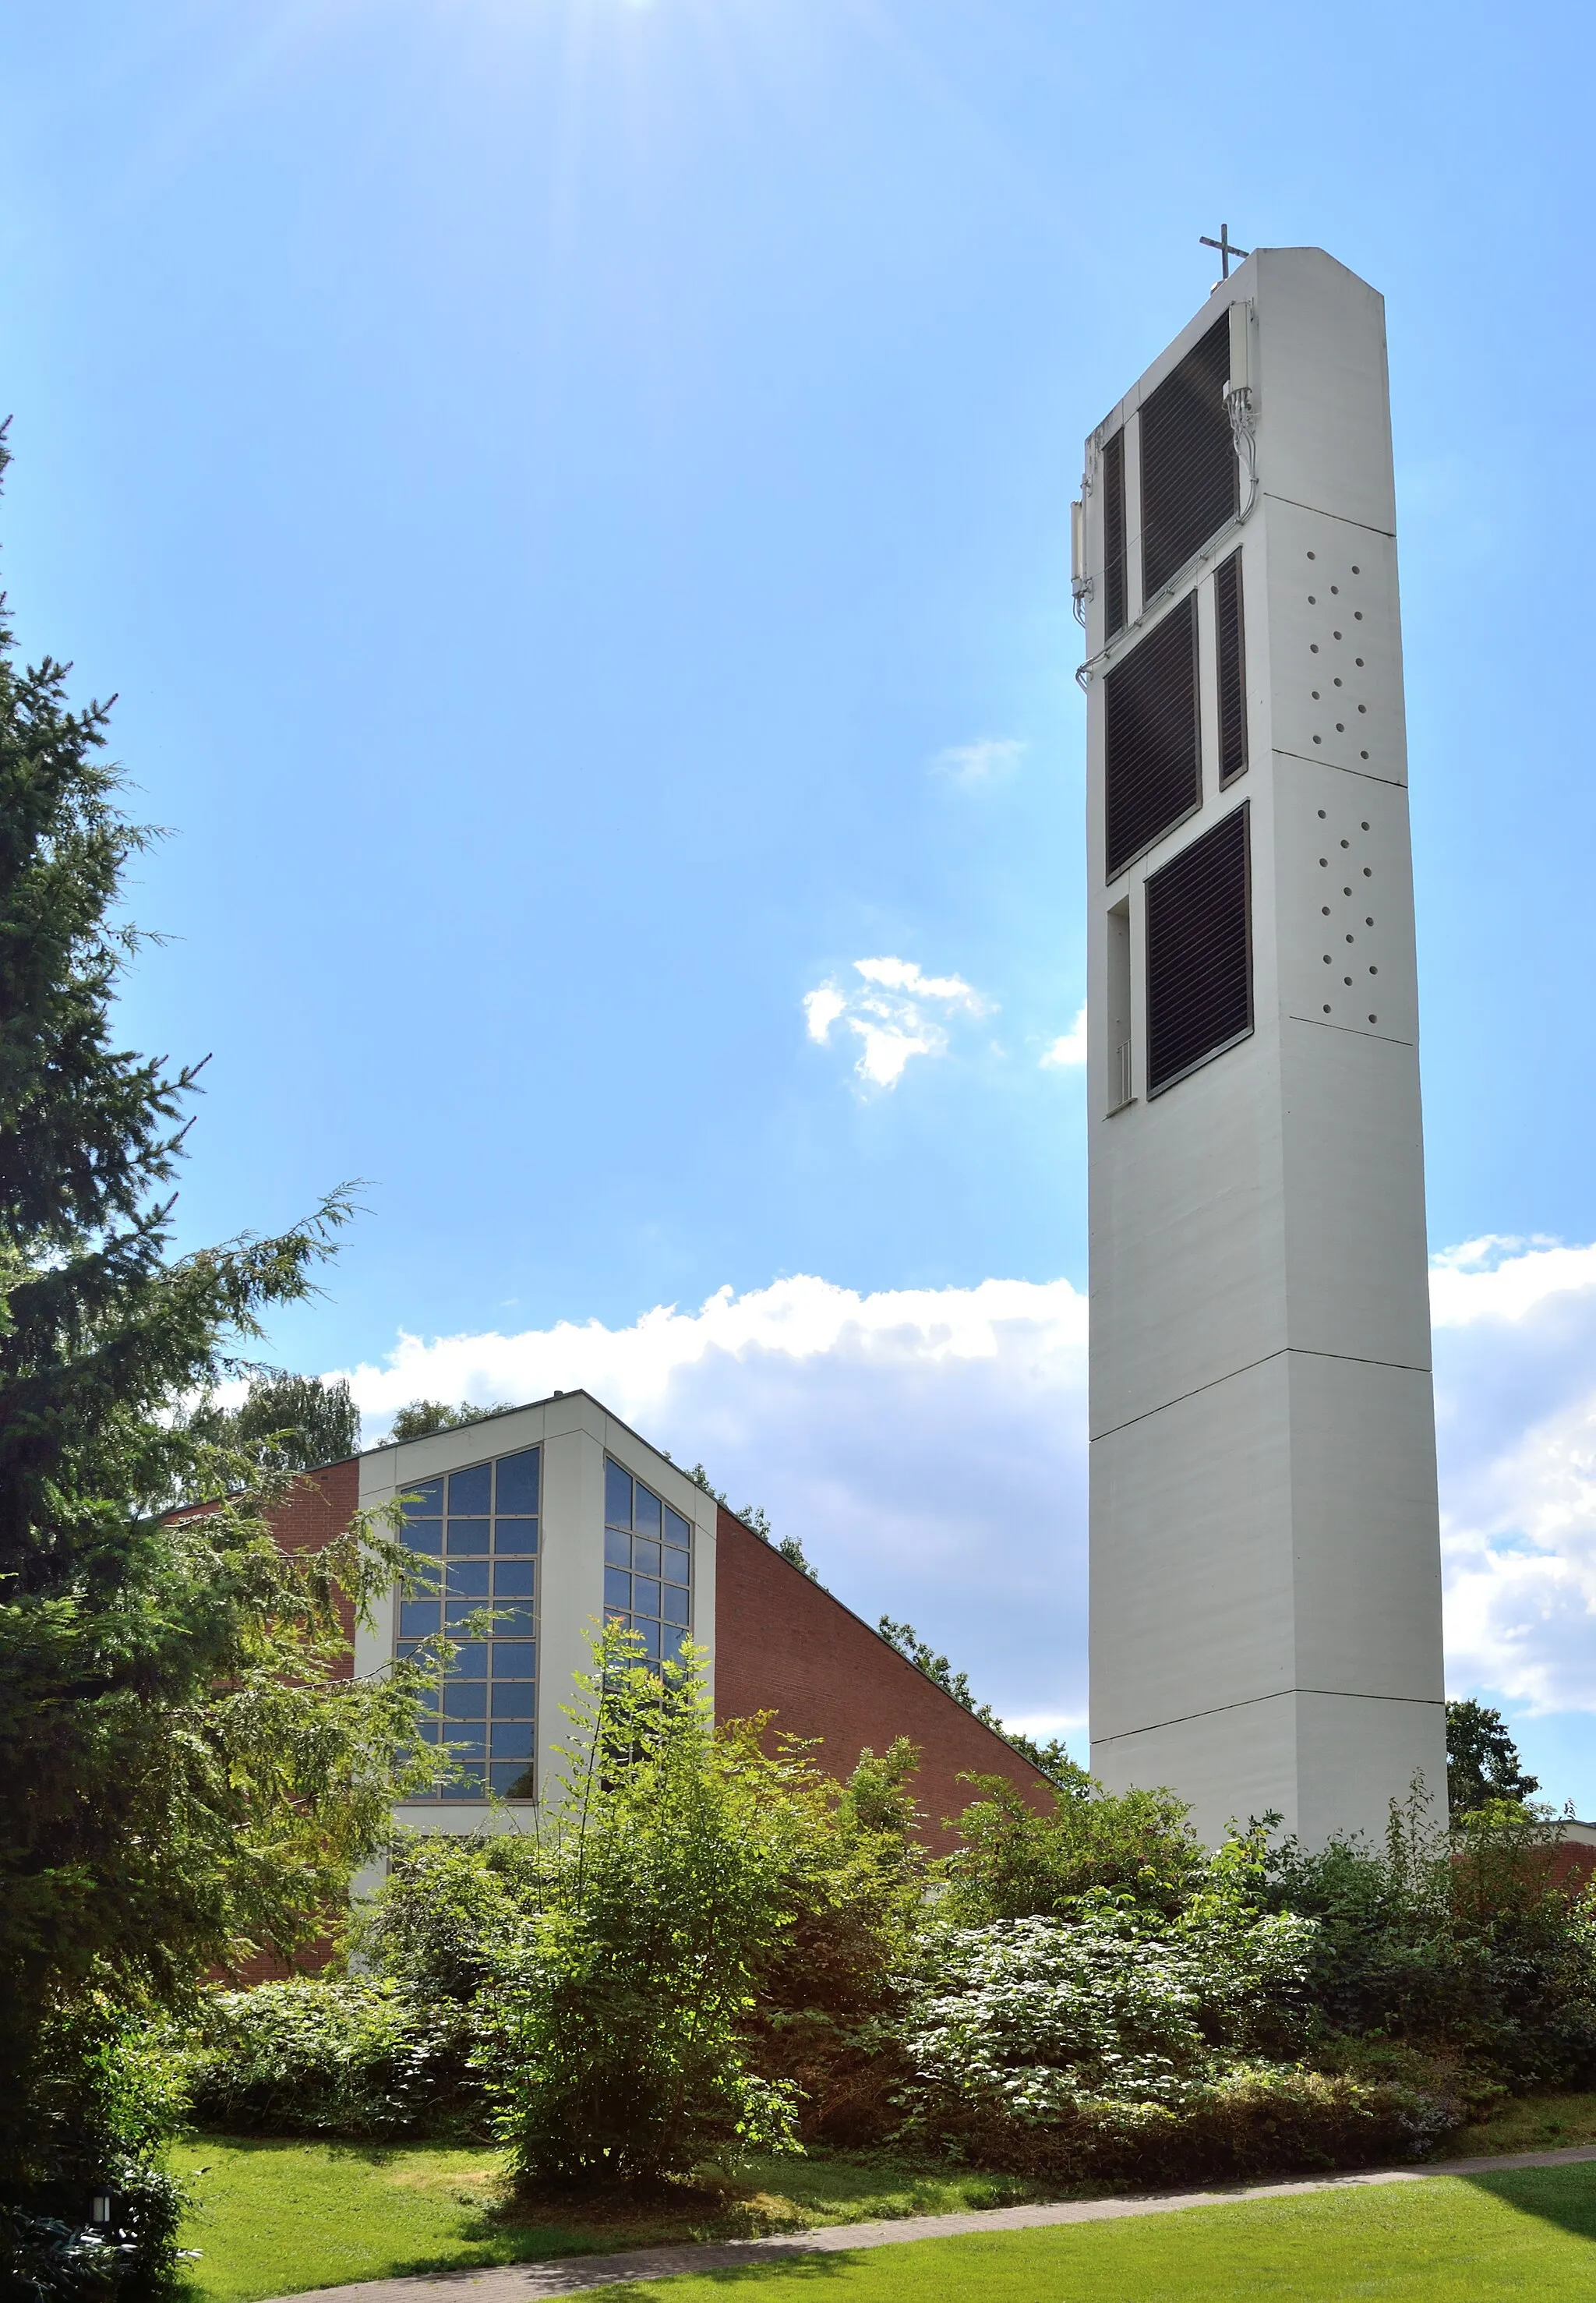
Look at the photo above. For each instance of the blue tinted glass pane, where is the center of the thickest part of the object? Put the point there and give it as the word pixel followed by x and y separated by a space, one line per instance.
pixel 468 1535
pixel 618 1547
pixel 423 1500
pixel 465 1699
pixel 515 1535
pixel 513 1622
pixel 512 1743
pixel 465 1740
pixel 646 1596
pixel 424 1535
pixel 677 1529
pixel 428 1731
pixel 466 1579
pixel 650 1635
pixel 417 1618
pixel 470 1786
pixel 676 1604
pixel 618 1588
pixel 515 1659
pixel 676 1566
pixel 646 1511
pixel 515 1578
pixel 513 1699
pixel 646 1556
pixel 617 1494
pixel 470 1660
pixel 457 1612
pixel 671 1643
pixel 518 1483
pixel 471 1491
pixel 511 1780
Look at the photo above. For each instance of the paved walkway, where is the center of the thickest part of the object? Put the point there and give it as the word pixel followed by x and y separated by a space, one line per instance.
pixel 525 2283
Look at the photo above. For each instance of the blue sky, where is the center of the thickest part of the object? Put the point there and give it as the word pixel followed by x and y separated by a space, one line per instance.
pixel 572 496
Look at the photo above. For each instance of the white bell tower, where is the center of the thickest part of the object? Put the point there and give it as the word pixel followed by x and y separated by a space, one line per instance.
pixel 1265 1608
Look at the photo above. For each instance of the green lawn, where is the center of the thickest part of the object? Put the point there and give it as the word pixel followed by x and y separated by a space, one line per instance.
pixel 272 2218
pixel 1453 2239
pixel 276 2218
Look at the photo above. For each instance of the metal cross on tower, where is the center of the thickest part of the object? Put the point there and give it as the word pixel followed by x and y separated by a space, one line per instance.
pixel 1226 248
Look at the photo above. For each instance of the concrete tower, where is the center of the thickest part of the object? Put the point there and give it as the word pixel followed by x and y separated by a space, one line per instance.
pixel 1265 1563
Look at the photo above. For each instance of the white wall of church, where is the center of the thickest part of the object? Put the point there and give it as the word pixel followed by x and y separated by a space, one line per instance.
pixel 575 1433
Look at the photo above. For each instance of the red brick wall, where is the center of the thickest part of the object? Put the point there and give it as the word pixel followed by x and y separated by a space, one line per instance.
pixel 784 1645
pixel 1572 1863
pixel 320 1505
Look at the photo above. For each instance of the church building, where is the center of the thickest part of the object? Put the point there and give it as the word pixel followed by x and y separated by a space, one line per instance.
pixel 560 1518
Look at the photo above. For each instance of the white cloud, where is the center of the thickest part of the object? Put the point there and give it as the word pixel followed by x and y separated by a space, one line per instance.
pixel 821 1008
pixel 895 1012
pixel 1499 1278
pixel 986 761
pixel 1070 1047
pixel 928 1444
pixel 905 975
pixel 1515 1428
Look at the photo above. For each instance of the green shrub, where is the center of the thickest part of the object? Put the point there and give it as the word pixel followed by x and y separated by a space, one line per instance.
pixel 318 2058
pixel 447 1906
pixel 108 2099
pixel 1015 1863
pixel 457 1914
pixel 828 1994
pixel 1037 2015
pixel 1096 2046
pixel 706 1944
pixel 611 2044
pixel 1457 1945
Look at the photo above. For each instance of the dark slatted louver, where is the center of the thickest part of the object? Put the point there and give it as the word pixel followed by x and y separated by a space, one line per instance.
pixel 1188 459
pixel 1113 536
pixel 1199 953
pixel 1153 767
pixel 1231 649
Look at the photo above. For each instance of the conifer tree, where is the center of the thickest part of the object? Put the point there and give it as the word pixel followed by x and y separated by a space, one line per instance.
pixel 185 1771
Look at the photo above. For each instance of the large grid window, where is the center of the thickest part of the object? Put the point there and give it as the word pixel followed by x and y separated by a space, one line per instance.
pixel 648 1564
pixel 476 1530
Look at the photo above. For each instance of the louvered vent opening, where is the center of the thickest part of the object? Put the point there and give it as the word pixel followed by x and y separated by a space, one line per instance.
pixel 1199 953
pixel 1189 476
pixel 1113 536
pixel 1154 764
pixel 1230 646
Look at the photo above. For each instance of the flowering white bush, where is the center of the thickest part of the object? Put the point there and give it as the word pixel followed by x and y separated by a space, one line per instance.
pixel 1038 2017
